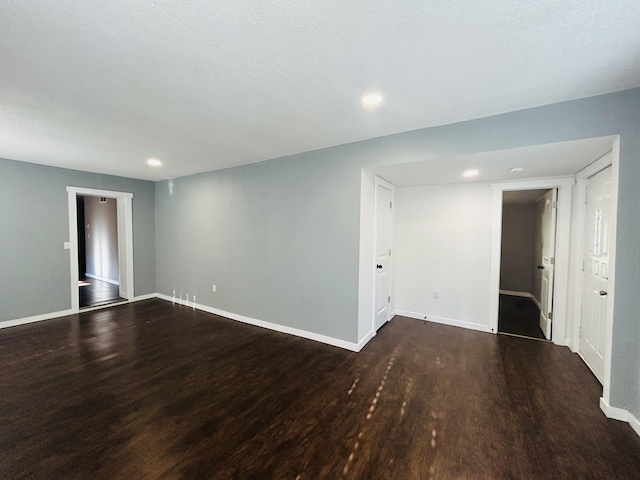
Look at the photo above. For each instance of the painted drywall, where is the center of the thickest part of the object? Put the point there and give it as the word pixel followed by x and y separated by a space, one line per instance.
pixel 281 238
pixel 517 252
pixel 101 238
pixel 443 243
pixel 34 224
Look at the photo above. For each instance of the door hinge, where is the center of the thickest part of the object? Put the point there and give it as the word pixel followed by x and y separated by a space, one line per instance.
pixel 390 204
pixel 389 298
pixel 389 252
pixel 554 204
pixel 550 316
pixel 552 260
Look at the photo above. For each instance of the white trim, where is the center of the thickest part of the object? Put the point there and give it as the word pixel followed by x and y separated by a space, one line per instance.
pixel 609 159
pixel 102 279
pixel 563 249
pixel 123 198
pixel 614 412
pixel 635 424
pixel 521 294
pixel 366 254
pixel 336 342
pixel 93 192
pixel 445 321
pixel 35 318
pixel 65 313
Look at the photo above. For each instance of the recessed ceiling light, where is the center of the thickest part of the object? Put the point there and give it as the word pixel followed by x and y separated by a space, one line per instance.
pixel 372 99
pixel 154 162
pixel 470 173
pixel 517 169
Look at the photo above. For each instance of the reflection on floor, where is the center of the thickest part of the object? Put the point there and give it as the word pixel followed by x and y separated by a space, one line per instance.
pixel 519 316
pixel 151 390
pixel 96 292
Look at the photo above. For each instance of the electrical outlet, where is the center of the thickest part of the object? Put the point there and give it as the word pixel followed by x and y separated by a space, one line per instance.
pixel 213 288
pixel 436 294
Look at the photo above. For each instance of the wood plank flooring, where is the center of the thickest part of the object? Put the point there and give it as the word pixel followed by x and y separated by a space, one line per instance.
pixel 155 390
pixel 98 292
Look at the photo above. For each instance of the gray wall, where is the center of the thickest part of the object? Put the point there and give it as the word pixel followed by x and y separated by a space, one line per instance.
pixel 281 238
pixel 517 255
pixel 35 275
pixel 101 237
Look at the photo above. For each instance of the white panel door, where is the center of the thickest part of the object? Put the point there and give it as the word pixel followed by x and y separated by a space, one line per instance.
pixel 383 257
pixel 547 263
pixel 595 271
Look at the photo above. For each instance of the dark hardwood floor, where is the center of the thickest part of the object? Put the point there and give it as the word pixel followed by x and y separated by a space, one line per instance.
pixel 519 316
pixel 155 390
pixel 94 293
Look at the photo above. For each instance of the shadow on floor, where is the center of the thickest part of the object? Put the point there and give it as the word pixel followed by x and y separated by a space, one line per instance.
pixel 519 316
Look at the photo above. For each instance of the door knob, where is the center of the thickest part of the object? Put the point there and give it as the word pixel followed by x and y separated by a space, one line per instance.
pixel 378 267
pixel 539 267
pixel 603 293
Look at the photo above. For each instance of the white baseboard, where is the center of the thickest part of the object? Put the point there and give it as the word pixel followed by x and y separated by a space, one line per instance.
pixel 635 424
pixel 620 414
pixel 64 313
pixel 35 318
pixel 336 342
pixel 365 340
pixel 108 280
pixel 445 321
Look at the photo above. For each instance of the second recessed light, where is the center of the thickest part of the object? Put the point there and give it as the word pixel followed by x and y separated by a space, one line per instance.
pixel 470 173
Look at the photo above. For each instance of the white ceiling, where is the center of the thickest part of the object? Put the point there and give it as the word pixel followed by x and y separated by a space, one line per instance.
pixel 202 85
pixel 538 161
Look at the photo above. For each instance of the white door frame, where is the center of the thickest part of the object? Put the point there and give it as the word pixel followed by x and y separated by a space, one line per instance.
pixel 125 238
pixel 609 159
pixel 563 250
pixel 383 183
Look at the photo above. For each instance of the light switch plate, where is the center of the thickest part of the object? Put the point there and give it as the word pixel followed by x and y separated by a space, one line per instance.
pixel 67 245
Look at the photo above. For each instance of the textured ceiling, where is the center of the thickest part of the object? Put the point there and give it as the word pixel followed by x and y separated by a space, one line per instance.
pixel 202 85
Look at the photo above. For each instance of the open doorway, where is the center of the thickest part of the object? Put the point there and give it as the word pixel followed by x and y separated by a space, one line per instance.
pixel 527 263
pixel 101 247
pixel 98 252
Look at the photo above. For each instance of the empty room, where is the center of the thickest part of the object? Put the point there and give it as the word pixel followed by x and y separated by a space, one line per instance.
pixel 341 240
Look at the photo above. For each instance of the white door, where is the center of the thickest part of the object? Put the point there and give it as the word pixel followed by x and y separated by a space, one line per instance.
pixel 595 271
pixel 547 262
pixel 383 255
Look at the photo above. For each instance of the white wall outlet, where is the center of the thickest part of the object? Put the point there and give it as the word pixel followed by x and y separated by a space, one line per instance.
pixel 436 294
pixel 213 288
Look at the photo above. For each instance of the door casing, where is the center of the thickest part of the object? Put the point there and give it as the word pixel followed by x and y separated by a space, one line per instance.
pixel 561 267
pixel 125 240
pixel 610 159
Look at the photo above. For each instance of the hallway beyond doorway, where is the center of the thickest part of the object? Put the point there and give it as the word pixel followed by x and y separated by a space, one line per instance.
pixel 519 316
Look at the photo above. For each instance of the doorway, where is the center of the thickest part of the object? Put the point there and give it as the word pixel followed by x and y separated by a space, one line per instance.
pixel 98 252
pixel 101 247
pixel 527 261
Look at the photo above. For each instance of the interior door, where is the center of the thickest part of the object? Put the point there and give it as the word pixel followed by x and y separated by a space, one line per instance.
pixel 383 255
pixel 595 271
pixel 547 263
